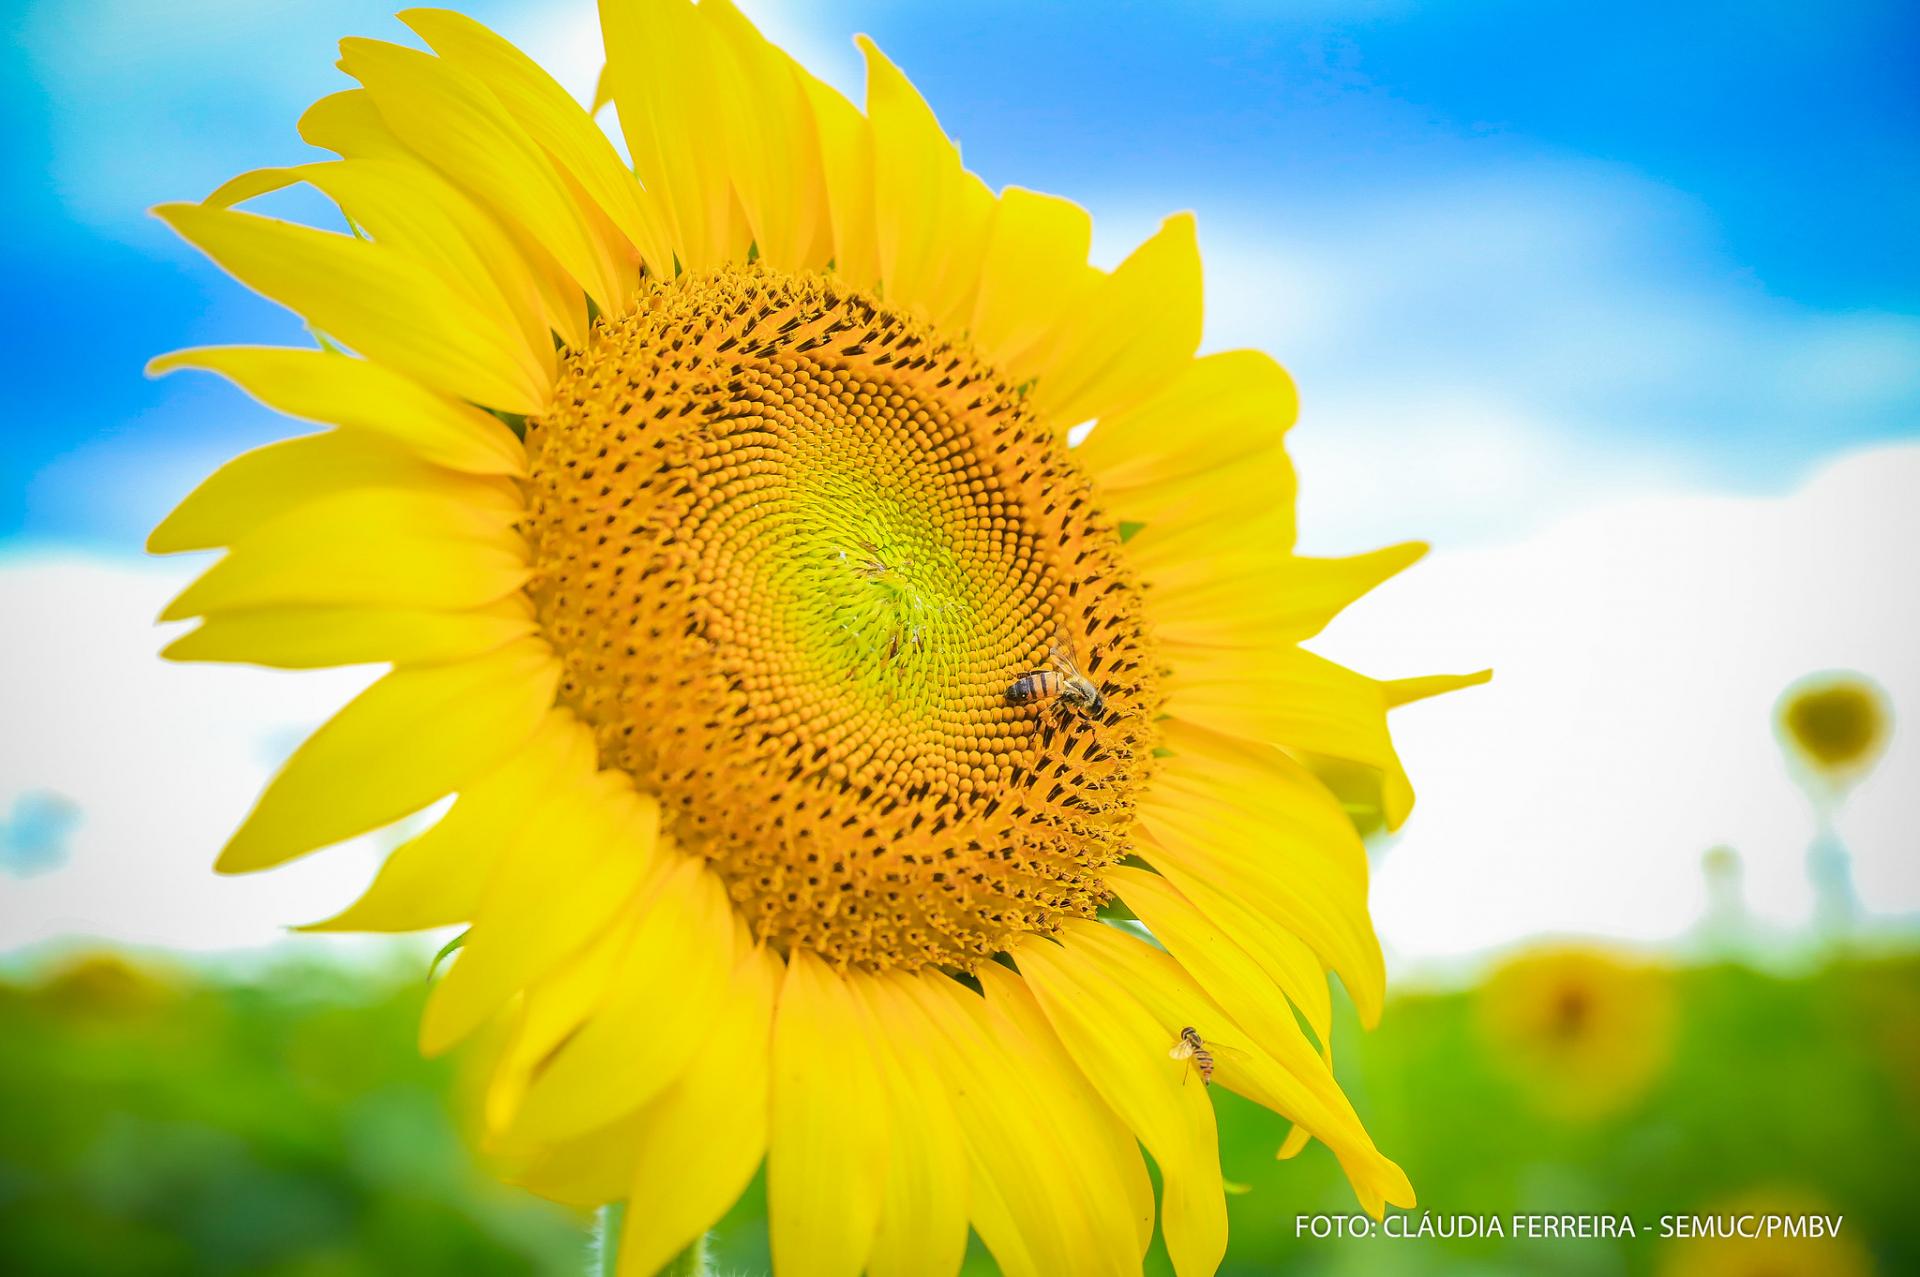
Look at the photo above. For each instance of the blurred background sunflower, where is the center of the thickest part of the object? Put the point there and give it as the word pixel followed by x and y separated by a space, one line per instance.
pixel 1835 725
pixel 1668 497
pixel 1767 1256
pixel 1583 1031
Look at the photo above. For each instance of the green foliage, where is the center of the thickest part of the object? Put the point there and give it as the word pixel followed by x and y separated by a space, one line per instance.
pixel 1807 1085
pixel 286 1125
pixel 280 1126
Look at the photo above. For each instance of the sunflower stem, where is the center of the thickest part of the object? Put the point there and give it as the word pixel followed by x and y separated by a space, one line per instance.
pixel 691 1262
pixel 606 1238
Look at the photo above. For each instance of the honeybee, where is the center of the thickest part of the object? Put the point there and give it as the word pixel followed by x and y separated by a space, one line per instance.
pixel 1192 1047
pixel 1064 681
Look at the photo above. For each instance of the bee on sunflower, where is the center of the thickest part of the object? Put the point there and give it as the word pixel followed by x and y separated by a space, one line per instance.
pixel 710 511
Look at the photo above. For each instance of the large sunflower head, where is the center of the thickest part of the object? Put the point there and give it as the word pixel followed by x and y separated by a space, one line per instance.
pixel 833 602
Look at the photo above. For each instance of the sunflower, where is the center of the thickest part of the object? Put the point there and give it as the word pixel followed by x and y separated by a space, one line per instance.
pixel 862 638
pixel 1835 726
pixel 1584 1032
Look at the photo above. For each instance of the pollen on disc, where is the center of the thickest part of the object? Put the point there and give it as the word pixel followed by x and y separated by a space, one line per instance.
pixel 793 549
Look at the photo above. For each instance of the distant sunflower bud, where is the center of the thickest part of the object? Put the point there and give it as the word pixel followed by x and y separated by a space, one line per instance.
pixel 1836 725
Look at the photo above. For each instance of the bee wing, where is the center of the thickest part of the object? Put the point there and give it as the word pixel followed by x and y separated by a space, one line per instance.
pixel 1060 656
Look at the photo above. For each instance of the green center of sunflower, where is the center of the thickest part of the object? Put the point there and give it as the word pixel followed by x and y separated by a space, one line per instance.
pixel 797 556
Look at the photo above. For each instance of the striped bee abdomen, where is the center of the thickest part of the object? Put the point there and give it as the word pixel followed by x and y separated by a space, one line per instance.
pixel 1040 685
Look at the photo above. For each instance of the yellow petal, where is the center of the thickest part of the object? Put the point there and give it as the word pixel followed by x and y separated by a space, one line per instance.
pixel 923 1219
pixel 552 1007
pixel 700 1140
pixel 573 867
pixel 1189 852
pixel 1253 600
pixel 775 153
pixel 400 203
pixel 845 140
pixel 585 1173
pixel 1404 691
pixel 655 1018
pixel 1262 829
pixel 349 124
pixel 1224 510
pixel 1024 1114
pixel 1242 988
pixel 1176 1000
pixel 1298 701
pixel 441 111
pixel 827 1142
pixel 264 484
pixel 439 877
pixel 555 121
pixel 931 216
pixel 1203 767
pixel 378 547
pixel 412 738
pixel 1010 1000
pixel 1033 275
pixel 317 385
pixel 503 271
pixel 373 299
pixel 312 638
pixel 1218 409
pixel 1122 1048
pixel 683 1157
pixel 1286 959
pixel 1133 331
pixel 662 65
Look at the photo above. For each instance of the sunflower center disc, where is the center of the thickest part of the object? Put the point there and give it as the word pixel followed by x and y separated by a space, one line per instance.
pixel 793 550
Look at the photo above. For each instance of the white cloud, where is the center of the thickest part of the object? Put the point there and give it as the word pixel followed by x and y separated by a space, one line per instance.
pixel 1456 466
pixel 1574 276
pixel 1481 355
pixel 162 760
pixel 1639 648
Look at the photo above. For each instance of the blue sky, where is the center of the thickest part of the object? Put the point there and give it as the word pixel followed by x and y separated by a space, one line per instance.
pixel 1517 255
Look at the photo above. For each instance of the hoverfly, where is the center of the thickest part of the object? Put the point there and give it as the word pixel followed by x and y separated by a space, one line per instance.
pixel 1199 1052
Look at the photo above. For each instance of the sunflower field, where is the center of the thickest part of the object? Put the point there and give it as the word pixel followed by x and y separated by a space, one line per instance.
pixel 283 1123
